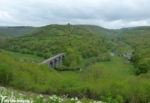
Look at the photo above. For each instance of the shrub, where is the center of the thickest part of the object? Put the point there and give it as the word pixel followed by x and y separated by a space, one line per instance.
pixel 6 74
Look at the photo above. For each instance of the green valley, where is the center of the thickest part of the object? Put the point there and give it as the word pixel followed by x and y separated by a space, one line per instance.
pixel 111 78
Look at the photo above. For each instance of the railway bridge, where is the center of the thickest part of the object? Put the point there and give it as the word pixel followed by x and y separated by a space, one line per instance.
pixel 54 61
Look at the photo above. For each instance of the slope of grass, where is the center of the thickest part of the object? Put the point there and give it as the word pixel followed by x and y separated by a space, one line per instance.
pixel 23 57
pixel 118 67
pixel 126 48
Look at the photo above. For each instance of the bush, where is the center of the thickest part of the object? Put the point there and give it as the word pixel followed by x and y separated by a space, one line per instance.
pixel 143 66
pixel 6 74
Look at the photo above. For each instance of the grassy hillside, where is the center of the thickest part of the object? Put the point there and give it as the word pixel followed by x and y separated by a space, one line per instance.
pixel 78 41
pixel 23 57
pixel 17 30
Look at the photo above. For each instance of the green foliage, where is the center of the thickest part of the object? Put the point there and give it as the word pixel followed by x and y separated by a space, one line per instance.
pixel 6 75
pixel 138 38
pixel 104 57
pixel 69 59
pixel 23 57
pixel 143 65
pixel 26 76
pixel 69 51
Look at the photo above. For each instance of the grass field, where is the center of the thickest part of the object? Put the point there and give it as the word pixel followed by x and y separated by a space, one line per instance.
pixel 117 67
pixel 20 56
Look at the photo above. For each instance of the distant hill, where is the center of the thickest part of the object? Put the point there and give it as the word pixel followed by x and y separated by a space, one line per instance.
pixel 16 30
pixel 104 31
pixel 129 33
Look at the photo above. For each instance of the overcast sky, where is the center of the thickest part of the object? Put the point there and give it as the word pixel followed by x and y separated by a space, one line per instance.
pixel 111 14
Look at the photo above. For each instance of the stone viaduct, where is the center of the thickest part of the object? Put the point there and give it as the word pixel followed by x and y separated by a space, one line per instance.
pixel 54 61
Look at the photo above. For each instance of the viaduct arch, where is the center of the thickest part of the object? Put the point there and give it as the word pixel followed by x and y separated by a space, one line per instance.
pixel 54 61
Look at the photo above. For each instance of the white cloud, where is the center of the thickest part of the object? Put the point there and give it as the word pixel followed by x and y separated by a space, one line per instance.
pixel 106 13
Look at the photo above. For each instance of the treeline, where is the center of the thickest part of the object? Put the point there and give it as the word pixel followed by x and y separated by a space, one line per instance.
pixel 139 39
pixel 79 42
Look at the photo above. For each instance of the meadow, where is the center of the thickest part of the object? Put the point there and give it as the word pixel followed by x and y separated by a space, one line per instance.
pixel 23 57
